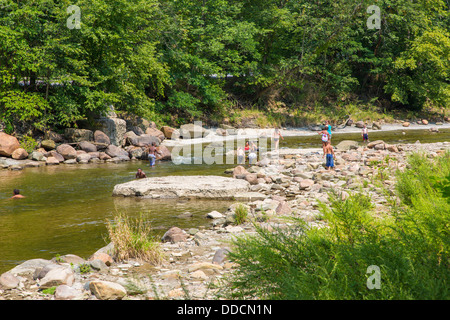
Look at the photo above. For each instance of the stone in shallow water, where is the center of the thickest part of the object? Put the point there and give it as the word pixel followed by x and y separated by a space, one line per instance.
pixel 197 187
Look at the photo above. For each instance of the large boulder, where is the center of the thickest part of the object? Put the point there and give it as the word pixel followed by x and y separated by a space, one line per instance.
pixel 174 235
pixel 359 124
pixel 48 144
pixel 170 133
pixel 155 133
pixel 9 281
pixel 87 146
pixel 135 152
pixel 251 178
pixel 51 161
pixel 101 137
pixel 114 128
pixel 240 172
pixel 67 151
pixel 146 139
pixel 163 153
pixel 137 124
pixel 37 156
pixel 195 187
pixel 191 131
pixel 376 125
pixel 83 157
pixel 77 135
pixel 65 292
pixel 8 144
pixel 142 140
pixel 19 154
pixel 55 155
pixel 375 143
pixel 106 290
pixel 29 266
pixel 346 145
pixel 58 276
pixel 114 151
pixel 54 136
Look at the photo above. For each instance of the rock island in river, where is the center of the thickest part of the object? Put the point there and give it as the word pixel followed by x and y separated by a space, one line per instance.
pixel 196 187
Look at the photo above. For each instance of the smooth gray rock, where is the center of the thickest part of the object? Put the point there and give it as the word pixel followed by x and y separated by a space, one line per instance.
pixel 29 266
pixel 183 187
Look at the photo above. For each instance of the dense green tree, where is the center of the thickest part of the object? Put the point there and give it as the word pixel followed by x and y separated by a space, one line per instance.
pixel 179 60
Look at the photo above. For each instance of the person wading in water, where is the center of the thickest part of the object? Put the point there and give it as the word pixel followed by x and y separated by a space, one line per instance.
pixel 140 174
pixel 152 154
pixel 17 195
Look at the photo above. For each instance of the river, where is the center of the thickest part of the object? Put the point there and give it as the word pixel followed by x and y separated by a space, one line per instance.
pixel 66 206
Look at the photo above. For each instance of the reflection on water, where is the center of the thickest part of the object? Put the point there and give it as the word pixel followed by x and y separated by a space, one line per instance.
pixel 66 206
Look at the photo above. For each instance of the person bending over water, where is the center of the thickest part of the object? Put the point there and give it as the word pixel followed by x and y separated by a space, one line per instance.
pixel 17 195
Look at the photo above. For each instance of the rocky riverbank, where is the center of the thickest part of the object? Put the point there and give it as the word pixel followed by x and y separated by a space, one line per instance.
pixel 290 183
pixel 114 139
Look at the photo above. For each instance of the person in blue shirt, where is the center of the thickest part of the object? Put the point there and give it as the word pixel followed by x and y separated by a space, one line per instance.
pixel 328 125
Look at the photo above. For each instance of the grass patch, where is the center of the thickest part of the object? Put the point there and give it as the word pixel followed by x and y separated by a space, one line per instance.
pixel 132 239
pixel 240 214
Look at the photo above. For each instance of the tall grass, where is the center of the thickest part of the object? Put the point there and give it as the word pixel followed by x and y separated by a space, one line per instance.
pixel 132 239
pixel 410 246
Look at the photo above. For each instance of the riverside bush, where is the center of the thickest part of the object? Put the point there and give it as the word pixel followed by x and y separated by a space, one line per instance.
pixel 410 246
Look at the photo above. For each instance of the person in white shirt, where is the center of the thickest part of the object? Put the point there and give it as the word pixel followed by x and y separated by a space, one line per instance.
pixel 365 134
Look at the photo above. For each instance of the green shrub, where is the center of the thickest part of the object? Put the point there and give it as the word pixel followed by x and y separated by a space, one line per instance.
pixel 410 247
pixel 28 143
pixel 241 214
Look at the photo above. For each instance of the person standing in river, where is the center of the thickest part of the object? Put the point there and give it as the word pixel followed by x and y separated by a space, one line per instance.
pixel 152 154
pixel 365 134
pixel 276 137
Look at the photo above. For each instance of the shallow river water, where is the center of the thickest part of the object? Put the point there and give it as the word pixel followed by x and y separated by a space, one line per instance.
pixel 66 206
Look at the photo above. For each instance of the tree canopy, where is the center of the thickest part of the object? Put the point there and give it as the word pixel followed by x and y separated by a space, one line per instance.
pixel 178 60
